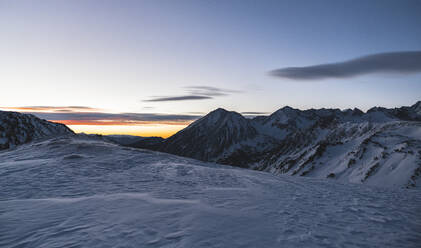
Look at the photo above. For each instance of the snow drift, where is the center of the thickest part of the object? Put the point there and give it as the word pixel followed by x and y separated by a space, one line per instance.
pixel 83 192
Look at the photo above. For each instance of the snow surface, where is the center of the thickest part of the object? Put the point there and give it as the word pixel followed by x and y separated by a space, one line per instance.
pixel 82 192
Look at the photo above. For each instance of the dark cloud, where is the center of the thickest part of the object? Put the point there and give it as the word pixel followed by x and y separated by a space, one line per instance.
pixel 114 118
pixel 52 108
pixel 195 93
pixel 210 91
pixel 394 62
pixel 77 115
pixel 196 113
pixel 254 113
pixel 178 98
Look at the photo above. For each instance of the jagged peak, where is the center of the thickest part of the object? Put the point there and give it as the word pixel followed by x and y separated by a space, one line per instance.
pixel 218 110
pixel 285 110
pixel 222 112
pixel 416 105
pixel 354 111
pixel 220 115
pixel 416 108
pixel 288 108
pixel 376 109
pixel 357 111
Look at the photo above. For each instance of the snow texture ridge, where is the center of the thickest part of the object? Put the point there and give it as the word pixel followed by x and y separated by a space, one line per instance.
pixel 74 191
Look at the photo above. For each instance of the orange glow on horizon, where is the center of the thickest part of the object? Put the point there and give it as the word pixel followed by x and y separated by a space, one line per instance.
pixel 159 130
pixel 114 125
pixel 118 122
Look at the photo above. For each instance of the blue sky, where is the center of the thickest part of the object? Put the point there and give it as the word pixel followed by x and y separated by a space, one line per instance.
pixel 116 56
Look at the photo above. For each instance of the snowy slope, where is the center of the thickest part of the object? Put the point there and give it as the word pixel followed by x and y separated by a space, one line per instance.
pixel 385 154
pixel 345 145
pixel 17 128
pixel 83 192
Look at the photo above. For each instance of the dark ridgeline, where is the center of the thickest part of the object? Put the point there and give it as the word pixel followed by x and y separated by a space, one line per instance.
pixel 17 128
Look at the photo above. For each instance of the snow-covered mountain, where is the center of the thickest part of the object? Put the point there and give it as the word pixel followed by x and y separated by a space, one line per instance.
pixel 379 147
pixel 80 191
pixel 214 137
pixel 386 154
pixel 17 128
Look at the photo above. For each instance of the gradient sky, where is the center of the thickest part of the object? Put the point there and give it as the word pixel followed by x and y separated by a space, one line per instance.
pixel 154 66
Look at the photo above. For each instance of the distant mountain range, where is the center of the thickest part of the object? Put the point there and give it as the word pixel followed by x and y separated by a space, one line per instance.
pixel 380 145
pixel 67 190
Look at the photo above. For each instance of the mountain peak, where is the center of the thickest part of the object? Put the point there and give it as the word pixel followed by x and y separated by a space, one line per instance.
pixel 288 108
pixel 218 111
pixel 418 103
pixel 215 132
pixel 417 106
pixel 286 111
pixel 353 112
pixel 377 109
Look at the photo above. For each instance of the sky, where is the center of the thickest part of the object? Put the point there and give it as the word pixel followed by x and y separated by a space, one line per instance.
pixel 150 68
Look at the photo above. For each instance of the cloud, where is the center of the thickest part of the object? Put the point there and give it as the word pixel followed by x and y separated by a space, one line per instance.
pixel 195 93
pixel 52 108
pixel 100 118
pixel 393 62
pixel 73 117
pixel 178 98
pixel 254 113
pixel 196 113
pixel 210 91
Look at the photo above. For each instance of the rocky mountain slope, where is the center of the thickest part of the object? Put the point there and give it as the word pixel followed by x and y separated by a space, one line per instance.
pixel 17 128
pixel 379 147
pixel 214 137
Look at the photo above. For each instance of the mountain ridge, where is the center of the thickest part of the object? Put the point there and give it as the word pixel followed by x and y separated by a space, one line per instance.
pixel 17 128
pixel 299 142
pixel 378 147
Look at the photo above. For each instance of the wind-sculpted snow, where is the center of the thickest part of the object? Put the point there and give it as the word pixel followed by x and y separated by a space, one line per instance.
pixel 83 192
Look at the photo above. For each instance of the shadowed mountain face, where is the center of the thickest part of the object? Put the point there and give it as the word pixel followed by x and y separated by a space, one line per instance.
pixel 350 145
pixel 17 128
pixel 209 137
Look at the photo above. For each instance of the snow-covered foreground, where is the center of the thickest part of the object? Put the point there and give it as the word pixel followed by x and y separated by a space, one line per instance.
pixel 74 192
